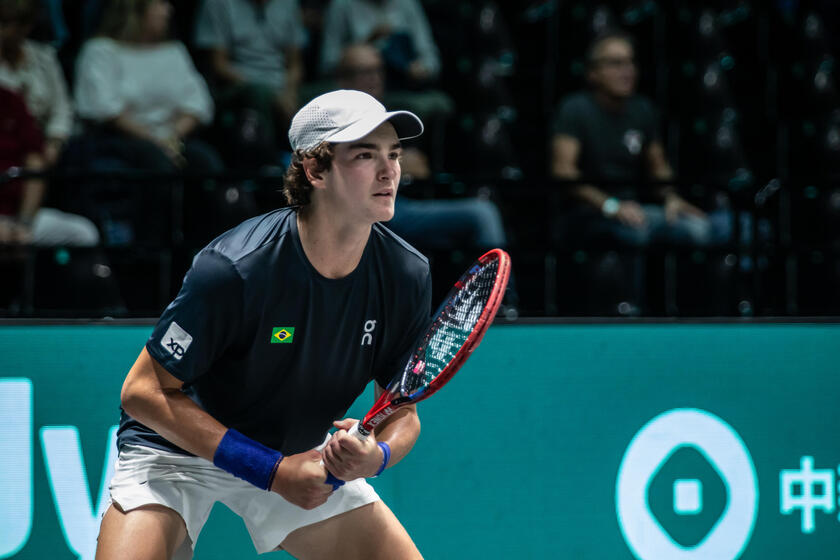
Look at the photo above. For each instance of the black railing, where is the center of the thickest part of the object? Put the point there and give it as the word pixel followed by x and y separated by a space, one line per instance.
pixel 767 268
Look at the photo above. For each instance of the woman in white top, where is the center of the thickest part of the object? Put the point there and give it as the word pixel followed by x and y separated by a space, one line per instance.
pixel 141 98
pixel 132 78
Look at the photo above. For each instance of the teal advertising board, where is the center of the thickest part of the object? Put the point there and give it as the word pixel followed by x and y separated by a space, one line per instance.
pixel 584 441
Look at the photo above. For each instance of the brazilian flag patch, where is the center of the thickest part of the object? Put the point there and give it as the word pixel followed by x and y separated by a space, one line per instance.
pixel 282 335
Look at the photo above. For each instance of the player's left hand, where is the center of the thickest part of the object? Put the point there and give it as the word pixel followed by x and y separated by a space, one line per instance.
pixel 348 458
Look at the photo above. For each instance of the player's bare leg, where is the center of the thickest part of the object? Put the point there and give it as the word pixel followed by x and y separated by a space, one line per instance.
pixel 370 532
pixel 146 533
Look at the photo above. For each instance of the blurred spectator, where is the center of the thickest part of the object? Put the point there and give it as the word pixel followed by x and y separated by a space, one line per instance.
pixel 141 85
pixel 142 100
pixel 433 224
pixel 22 219
pixel 398 28
pixel 32 69
pixel 361 68
pixel 611 134
pixel 254 61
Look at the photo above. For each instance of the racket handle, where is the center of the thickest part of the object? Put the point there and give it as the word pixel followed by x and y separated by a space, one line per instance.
pixel 356 431
pixel 331 479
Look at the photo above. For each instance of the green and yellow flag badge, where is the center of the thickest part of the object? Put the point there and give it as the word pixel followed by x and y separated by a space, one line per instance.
pixel 282 335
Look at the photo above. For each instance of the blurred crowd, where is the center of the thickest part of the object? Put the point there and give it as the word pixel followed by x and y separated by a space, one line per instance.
pixel 564 130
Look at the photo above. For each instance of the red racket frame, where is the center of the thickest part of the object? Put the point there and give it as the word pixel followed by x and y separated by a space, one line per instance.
pixel 388 403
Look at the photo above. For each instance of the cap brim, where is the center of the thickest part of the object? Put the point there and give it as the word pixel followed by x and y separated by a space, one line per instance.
pixel 407 125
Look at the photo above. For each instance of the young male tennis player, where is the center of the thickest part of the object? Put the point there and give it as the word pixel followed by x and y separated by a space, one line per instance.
pixel 280 324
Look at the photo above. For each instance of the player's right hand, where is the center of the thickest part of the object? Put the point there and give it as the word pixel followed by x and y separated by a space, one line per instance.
pixel 300 480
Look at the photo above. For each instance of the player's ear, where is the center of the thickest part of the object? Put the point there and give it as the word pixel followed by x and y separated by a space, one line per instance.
pixel 314 172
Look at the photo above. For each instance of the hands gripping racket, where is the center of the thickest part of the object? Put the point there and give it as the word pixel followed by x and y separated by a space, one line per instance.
pixel 457 327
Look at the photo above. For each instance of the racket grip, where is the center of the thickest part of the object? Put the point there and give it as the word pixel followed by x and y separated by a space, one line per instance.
pixel 354 431
pixel 331 479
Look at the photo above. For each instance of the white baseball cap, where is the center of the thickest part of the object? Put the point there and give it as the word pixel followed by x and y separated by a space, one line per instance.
pixel 346 115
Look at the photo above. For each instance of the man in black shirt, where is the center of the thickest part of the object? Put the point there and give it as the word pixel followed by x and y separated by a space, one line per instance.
pixel 609 133
pixel 280 324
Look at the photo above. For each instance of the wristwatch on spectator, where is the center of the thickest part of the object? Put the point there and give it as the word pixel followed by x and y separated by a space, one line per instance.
pixel 610 207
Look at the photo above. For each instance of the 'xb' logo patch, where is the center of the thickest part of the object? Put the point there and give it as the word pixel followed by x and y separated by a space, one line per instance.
pixel 176 340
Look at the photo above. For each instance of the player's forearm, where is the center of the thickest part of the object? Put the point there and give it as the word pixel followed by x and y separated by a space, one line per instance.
pixel 400 431
pixel 168 411
pixel 177 418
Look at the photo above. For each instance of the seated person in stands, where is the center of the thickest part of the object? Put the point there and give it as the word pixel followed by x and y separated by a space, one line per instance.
pixel 609 133
pixel 32 69
pixel 399 29
pixel 22 218
pixel 431 224
pixel 400 32
pixel 143 87
pixel 254 66
pixel 461 223
pixel 142 101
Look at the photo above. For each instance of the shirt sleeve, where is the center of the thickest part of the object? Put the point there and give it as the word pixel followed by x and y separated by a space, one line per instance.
pixel 567 119
pixel 194 98
pixel 98 76
pixel 201 323
pixel 213 26
pixel 418 321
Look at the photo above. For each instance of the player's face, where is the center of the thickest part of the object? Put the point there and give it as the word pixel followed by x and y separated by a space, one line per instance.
pixel 363 179
pixel 614 68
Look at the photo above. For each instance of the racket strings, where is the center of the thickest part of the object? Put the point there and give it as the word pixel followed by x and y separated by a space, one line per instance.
pixel 451 327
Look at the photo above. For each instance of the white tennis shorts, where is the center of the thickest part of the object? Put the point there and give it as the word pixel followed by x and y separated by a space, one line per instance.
pixel 191 485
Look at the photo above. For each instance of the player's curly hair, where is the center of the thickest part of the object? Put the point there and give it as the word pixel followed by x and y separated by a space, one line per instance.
pixel 296 187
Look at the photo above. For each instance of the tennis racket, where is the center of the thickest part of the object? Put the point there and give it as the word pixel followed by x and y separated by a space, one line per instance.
pixel 456 329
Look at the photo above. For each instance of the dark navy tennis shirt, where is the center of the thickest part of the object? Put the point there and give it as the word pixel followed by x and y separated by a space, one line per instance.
pixel 268 346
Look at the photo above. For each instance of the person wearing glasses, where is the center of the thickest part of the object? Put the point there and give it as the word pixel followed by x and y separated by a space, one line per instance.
pixel 607 137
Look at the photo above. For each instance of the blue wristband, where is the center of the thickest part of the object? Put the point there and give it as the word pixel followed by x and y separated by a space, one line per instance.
pixel 386 452
pixel 247 459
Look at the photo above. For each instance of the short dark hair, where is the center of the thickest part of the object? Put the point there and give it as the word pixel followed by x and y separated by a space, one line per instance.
pixel 603 37
pixel 296 187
